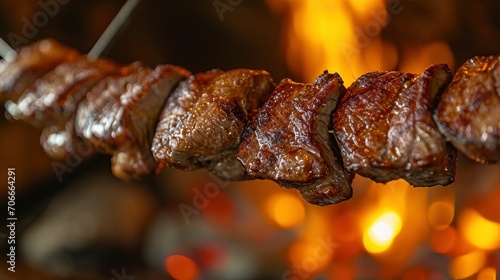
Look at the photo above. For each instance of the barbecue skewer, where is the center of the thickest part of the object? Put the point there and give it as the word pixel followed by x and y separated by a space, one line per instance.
pixel 127 100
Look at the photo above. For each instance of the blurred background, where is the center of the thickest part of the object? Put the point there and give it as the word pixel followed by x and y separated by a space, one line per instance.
pixel 81 223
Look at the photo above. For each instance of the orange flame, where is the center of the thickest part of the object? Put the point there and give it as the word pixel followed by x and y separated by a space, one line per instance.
pixel 341 36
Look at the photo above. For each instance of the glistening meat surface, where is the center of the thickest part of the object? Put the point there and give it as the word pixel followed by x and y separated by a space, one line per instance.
pixel 203 119
pixel 385 129
pixel 469 110
pixel 51 102
pixel 288 141
pixel 119 116
pixel 19 71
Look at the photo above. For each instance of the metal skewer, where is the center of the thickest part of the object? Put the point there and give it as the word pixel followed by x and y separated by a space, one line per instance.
pixel 102 43
pixel 113 28
pixel 5 50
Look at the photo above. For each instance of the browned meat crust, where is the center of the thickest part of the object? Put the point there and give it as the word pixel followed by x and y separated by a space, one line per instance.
pixel 469 111
pixel 202 122
pixel 385 129
pixel 51 101
pixel 287 141
pixel 389 125
pixel 60 141
pixel 20 71
pixel 120 113
pixel 54 97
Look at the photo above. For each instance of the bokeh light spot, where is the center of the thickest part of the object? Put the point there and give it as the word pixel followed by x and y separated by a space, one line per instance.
pixel 479 231
pixel 381 233
pixel 286 210
pixel 181 267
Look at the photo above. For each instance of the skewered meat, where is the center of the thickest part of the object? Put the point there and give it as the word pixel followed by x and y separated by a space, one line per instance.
pixel 55 96
pixel 60 140
pixel 120 113
pixel 469 111
pixel 385 129
pixel 383 125
pixel 18 72
pixel 288 141
pixel 202 122
pixel 51 102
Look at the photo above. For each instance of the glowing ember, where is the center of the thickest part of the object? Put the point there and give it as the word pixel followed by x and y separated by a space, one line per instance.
pixel 382 232
pixel 181 267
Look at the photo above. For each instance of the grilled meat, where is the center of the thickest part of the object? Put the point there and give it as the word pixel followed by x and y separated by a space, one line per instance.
pixel 51 101
pixel 61 142
pixel 54 97
pixel 287 141
pixel 388 125
pixel 469 111
pixel 119 116
pixel 202 122
pixel 385 130
pixel 19 71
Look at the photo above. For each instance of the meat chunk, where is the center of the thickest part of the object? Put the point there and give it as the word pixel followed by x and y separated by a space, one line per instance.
pixel 54 97
pixel 60 142
pixel 202 122
pixel 385 129
pixel 119 116
pixel 51 101
pixel 19 71
pixel 288 141
pixel 469 110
